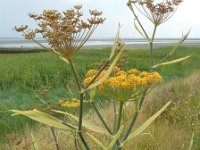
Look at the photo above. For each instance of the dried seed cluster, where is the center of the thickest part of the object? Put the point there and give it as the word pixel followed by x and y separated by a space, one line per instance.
pixel 157 12
pixel 65 32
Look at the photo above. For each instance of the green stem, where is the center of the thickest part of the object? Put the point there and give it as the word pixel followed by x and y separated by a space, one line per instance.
pixel 152 54
pixel 151 43
pixel 104 123
pixel 81 105
pixel 75 74
pixel 119 116
pixel 115 116
pixel 135 115
pixel 154 32
pixel 134 14
pixel 54 137
pixel 102 119
pixel 131 125
pixel 80 122
pixel 78 81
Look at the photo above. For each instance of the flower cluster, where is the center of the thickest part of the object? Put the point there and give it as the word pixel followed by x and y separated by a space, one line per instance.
pixel 157 12
pixel 122 84
pixel 73 103
pixel 65 32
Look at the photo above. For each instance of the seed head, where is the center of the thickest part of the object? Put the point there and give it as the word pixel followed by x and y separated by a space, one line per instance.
pixel 95 12
pixel 156 12
pixel 78 7
pixel 21 28
pixel 65 32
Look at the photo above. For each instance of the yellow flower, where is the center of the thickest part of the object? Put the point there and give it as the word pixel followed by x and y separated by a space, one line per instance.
pixel 116 69
pixel 121 84
pixel 133 71
pixel 126 85
pixel 143 74
pixel 91 72
pixel 87 80
pixel 121 73
pixel 73 103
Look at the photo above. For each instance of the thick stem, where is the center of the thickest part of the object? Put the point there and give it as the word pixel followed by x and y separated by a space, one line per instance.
pixel 152 48
pixel 131 125
pixel 81 105
pixel 115 116
pixel 80 122
pixel 75 74
pixel 54 137
pixel 102 119
pixel 152 54
pixel 154 33
pixel 78 80
pixel 119 116
pixel 135 115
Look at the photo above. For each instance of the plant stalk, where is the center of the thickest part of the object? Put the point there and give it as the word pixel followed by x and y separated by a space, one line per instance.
pixel 75 74
pixel 80 122
pixel 134 14
pixel 135 115
pixel 115 116
pixel 151 42
pixel 81 105
pixel 102 119
pixel 78 81
pixel 120 115
pixel 54 137
pixel 152 54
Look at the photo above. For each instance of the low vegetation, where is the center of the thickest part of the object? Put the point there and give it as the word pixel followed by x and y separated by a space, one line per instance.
pixel 27 79
pixel 171 131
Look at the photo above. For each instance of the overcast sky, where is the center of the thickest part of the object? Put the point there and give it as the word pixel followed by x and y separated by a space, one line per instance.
pixel 14 12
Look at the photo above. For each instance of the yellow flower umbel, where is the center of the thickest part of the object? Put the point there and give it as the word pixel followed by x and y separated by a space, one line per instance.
pixel 121 85
pixel 73 103
pixel 65 32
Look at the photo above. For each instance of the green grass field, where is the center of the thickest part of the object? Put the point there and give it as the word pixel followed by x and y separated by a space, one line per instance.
pixel 23 75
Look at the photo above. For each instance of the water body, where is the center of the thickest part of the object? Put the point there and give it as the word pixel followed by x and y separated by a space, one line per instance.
pixel 96 43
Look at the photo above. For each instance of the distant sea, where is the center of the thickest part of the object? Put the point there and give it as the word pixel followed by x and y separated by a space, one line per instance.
pixel 21 43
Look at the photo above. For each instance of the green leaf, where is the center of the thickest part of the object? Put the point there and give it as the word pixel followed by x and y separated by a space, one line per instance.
pixel 139 130
pixel 108 71
pixel 42 118
pixel 85 123
pixel 97 141
pixel 115 138
pixel 35 144
pixel 138 29
pixel 191 141
pixel 115 43
pixel 172 62
pixel 177 45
